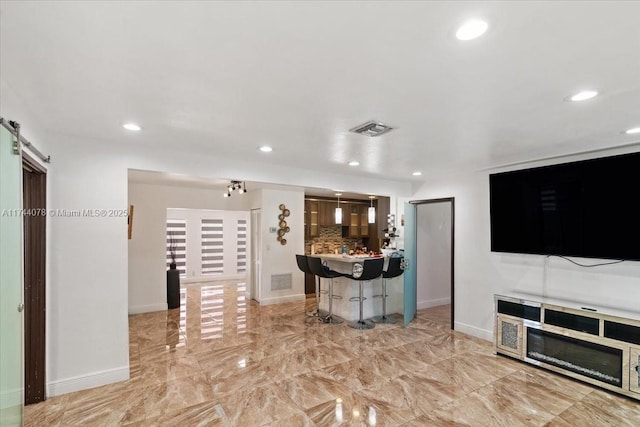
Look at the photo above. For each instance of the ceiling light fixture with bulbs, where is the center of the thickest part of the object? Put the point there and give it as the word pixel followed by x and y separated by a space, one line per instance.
pixel 240 186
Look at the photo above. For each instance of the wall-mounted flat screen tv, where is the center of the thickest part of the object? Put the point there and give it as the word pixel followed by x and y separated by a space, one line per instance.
pixel 588 209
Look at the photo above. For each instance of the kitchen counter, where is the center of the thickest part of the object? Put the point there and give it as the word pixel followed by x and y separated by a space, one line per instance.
pixel 347 288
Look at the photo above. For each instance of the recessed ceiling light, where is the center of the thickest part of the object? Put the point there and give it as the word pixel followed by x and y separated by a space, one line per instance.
pixel 417 173
pixel 131 126
pixel 632 131
pixel 471 29
pixel 266 149
pixel 584 95
pixel 354 163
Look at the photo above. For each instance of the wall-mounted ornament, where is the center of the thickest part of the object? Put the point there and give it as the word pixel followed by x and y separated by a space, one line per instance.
pixel 284 228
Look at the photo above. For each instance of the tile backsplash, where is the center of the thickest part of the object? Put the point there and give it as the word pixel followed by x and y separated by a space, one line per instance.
pixel 329 240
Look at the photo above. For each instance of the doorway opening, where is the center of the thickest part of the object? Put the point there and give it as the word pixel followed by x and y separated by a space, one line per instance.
pixel 34 201
pixel 435 231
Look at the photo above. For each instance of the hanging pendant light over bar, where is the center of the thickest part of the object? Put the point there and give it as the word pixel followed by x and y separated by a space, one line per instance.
pixel 371 212
pixel 338 210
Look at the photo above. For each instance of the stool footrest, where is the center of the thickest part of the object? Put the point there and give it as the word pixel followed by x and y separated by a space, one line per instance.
pixel 336 297
pixel 381 296
pixel 324 292
pixel 352 299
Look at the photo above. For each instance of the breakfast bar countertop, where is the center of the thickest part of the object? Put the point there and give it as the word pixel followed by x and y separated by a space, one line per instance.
pixel 346 258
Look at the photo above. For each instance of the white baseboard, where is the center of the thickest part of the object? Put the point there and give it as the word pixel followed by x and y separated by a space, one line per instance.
pixel 279 300
pixel 95 379
pixel 473 331
pixel 433 303
pixel 148 308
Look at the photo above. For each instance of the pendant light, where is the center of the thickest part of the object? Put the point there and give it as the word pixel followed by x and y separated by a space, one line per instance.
pixel 338 210
pixel 371 212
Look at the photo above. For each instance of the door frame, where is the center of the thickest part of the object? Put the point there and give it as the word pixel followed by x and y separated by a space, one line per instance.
pixel 255 219
pixel 34 283
pixel 452 200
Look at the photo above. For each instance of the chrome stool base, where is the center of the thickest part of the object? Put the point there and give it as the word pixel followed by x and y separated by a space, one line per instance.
pixel 332 319
pixel 361 324
pixel 317 313
pixel 384 319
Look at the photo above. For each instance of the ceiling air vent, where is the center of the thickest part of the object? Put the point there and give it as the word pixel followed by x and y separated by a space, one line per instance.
pixel 371 128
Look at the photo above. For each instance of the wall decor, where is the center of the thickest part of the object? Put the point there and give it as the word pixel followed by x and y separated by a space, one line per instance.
pixel 284 228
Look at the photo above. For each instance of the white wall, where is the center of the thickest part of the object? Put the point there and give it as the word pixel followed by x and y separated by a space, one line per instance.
pixel 479 273
pixel 276 258
pixel 147 261
pixel 433 256
pixel 87 301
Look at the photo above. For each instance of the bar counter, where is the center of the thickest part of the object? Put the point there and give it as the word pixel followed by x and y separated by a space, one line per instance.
pixel 347 288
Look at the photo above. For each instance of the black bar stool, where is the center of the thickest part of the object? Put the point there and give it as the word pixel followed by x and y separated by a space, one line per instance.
pixel 369 270
pixel 316 267
pixel 394 269
pixel 303 265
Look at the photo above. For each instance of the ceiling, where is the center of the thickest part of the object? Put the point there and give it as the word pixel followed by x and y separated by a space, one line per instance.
pixel 182 180
pixel 228 77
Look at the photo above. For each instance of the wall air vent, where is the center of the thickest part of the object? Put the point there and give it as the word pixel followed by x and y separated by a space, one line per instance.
pixel 371 128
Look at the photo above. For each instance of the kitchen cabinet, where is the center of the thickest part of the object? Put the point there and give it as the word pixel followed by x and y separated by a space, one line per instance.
pixel 313 214
pixel 364 221
pixel 328 213
pixel 327 217
pixel 354 221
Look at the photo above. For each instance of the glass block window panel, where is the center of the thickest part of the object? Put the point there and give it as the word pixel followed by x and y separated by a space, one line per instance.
pixel 510 335
pixel 241 244
pixel 212 235
pixel 177 241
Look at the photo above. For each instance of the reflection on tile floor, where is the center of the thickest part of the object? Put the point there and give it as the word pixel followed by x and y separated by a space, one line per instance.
pixel 221 360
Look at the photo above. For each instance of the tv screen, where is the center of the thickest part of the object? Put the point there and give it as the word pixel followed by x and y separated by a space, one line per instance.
pixel 585 209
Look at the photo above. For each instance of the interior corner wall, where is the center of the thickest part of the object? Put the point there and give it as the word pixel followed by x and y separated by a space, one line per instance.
pixel 277 258
pixel 480 273
pixel 87 299
pixel 147 246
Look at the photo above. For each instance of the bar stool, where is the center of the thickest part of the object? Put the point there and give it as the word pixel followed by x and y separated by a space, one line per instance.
pixel 393 270
pixel 369 270
pixel 316 267
pixel 303 265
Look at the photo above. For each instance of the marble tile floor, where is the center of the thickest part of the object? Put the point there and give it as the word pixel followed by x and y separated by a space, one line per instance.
pixel 222 360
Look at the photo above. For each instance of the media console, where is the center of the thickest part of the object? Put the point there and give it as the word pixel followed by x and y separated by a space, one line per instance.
pixel 598 346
